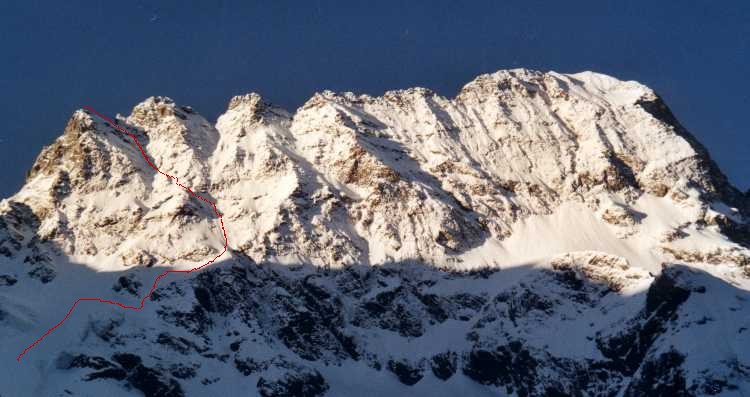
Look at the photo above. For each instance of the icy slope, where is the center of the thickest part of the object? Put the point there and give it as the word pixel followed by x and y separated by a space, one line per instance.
pixel 565 224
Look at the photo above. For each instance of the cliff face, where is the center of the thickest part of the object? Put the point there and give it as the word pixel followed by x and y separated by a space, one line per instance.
pixel 421 241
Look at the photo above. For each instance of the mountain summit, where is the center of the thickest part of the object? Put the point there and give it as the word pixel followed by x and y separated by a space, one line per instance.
pixel 538 234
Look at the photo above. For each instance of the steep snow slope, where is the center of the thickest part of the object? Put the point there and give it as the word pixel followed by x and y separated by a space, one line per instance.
pixel 539 233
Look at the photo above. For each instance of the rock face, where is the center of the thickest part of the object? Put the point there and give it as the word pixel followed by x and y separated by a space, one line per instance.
pixel 538 234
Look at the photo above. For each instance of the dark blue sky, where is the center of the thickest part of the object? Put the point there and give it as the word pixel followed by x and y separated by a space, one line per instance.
pixel 59 56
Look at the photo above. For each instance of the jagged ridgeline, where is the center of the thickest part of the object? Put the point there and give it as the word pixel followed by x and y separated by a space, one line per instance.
pixel 537 234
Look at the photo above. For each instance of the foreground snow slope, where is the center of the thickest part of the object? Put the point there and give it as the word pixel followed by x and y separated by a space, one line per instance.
pixel 538 234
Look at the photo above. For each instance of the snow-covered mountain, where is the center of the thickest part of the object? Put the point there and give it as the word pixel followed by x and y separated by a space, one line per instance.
pixel 538 234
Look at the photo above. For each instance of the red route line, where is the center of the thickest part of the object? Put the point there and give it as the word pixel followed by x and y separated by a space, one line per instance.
pixel 143 301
